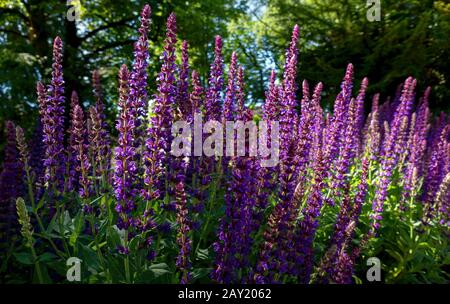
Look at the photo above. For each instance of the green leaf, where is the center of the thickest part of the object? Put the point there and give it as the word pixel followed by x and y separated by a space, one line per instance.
pixel 159 269
pixel 115 236
pixel 47 257
pixel 24 258
pixel 67 223
pixel 200 273
pixel 78 223
pixel 357 280
pixel 41 202
pixel 395 255
pixel 89 258
pixel 116 269
pixel 134 243
pixel 52 226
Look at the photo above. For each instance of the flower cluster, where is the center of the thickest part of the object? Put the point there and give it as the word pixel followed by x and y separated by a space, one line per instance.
pixel 125 173
pixel 183 239
pixel 11 187
pixel 51 104
pixel 101 157
pixel 137 96
pixel 342 176
pixel 159 132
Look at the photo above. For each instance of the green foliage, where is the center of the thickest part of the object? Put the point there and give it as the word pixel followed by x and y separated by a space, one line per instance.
pixel 102 39
pixel 410 251
pixel 411 39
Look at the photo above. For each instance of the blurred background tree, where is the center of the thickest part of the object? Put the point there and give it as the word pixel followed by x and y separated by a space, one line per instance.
pixel 102 38
pixel 412 38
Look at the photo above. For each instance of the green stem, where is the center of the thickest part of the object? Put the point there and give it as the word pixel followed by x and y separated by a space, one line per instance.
pixel 211 205
pixel 30 185
pixel 95 183
pixel 127 261
pixel 36 265
pixel 411 220
pixel 61 227
pixel 97 245
pixel 45 236
pixel 158 242
pixel 38 218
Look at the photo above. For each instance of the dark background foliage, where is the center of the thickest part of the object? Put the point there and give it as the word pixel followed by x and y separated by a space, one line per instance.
pixel 411 39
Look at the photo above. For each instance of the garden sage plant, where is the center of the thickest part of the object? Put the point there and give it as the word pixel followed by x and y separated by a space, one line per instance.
pixel 197 185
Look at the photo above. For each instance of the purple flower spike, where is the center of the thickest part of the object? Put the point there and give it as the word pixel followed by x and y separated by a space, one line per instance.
pixel 296 138
pixel 307 227
pixel 24 153
pixel 238 224
pixel 443 201
pixel 306 126
pixel 72 180
pixel 183 240
pixel 137 94
pixel 337 127
pixel 37 152
pixel 289 122
pixel 197 94
pixel 390 152
pixel 215 82
pixel 271 106
pixel 342 271
pixel 267 177
pixel 11 187
pixel 159 131
pixel 417 144
pixel 52 118
pixel 98 148
pixel 347 154
pixel 183 84
pixel 437 169
pixel 126 170
pixel 319 123
pixel 359 124
pixel 230 96
pixel 276 246
pixel 304 141
pixel 197 99
pixel 104 157
pixel 348 218
pixel 374 132
pixel 240 94
pixel 288 113
pixel 80 150
pixel 11 177
pixel 213 106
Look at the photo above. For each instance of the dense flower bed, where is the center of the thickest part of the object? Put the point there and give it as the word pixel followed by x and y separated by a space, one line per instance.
pixel 348 186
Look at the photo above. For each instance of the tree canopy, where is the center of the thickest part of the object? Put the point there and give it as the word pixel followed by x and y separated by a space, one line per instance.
pixel 102 39
pixel 410 39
